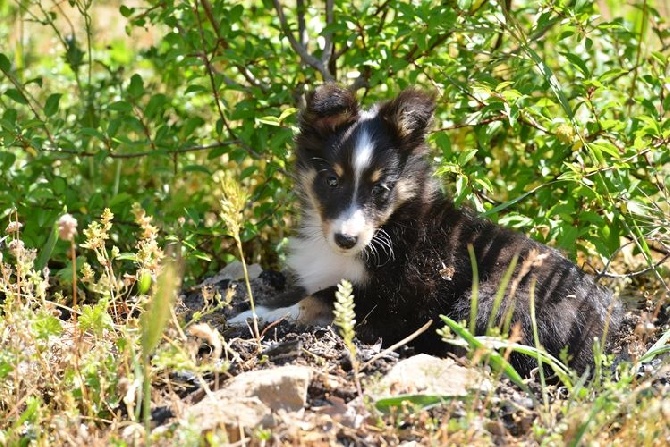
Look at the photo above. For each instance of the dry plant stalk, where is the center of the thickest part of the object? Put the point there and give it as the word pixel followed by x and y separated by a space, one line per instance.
pixel 232 204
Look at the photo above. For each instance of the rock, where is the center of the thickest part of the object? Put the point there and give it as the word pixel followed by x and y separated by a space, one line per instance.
pixel 278 388
pixel 234 415
pixel 424 374
pixel 235 271
pixel 249 399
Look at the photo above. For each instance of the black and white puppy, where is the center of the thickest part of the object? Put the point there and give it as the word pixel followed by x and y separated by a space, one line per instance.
pixel 373 213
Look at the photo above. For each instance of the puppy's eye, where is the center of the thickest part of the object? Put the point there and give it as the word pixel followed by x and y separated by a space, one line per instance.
pixel 379 189
pixel 332 181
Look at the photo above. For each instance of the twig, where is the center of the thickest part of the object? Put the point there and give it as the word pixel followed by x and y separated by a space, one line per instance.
pixel 522 119
pixel 145 127
pixel 653 267
pixel 298 48
pixel 302 27
pixel 402 342
pixel 29 102
pixel 145 153
pixel 328 35
pixel 471 124
pixel 411 56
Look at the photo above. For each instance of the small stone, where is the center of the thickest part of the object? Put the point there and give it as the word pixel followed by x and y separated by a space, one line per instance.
pixel 431 376
pixel 278 388
pixel 526 402
pixel 235 271
pixel 252 400
pixel 234 415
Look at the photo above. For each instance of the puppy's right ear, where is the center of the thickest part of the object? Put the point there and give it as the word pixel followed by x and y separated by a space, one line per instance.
pixel 328 108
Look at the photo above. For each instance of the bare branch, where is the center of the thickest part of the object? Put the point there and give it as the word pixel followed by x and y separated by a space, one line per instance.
pixel 328 35
pixel 302 27
pixel 158 151
pixel 145 153
pixel 298 48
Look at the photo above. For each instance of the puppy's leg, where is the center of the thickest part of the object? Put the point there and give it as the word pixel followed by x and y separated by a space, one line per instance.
pixel 315 309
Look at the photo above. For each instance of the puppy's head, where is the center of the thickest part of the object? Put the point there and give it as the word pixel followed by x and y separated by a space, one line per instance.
pixel 354 166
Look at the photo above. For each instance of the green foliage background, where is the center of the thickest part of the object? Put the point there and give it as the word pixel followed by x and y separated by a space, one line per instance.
pixel 553 116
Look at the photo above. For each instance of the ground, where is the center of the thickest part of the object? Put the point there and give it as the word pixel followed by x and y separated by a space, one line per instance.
pixel 335 412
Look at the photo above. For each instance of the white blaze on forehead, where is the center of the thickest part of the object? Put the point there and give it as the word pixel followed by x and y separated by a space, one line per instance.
pixel 362 158
pixel 364 147
pixel 362 153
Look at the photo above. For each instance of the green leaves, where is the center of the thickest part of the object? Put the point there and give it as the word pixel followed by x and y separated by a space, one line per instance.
pixel 136 86
pixel 16 96
pixel 95 318
pixel 5 65
pixel 52 103
pixel 548 117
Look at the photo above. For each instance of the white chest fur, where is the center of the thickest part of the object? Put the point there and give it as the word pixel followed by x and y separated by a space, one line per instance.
pixel 319 267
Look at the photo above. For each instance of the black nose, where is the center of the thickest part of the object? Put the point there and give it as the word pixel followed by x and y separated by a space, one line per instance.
pixel 345 241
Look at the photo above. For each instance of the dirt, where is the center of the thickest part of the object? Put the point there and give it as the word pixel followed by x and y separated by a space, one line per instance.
pixel 336 413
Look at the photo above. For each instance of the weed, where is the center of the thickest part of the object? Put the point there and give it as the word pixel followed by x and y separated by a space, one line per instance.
pixel 233 202
pixel 345 319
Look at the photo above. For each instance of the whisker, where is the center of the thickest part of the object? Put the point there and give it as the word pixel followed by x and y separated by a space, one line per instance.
pixel 381 242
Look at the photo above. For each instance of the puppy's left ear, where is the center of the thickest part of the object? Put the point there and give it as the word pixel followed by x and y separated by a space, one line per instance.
pixel 410 114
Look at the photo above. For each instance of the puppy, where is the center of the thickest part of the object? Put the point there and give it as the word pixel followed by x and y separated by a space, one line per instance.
pixel 373 213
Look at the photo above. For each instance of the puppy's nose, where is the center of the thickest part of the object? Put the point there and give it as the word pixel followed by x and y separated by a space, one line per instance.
pixel 345 241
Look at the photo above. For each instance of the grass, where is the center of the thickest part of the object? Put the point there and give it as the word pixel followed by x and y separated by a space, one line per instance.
pixel 72 372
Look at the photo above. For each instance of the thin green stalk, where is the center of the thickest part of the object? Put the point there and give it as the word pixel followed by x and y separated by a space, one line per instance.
pixel 642 15
pixel 247 283
pixel 146 397
pixel 538 346
pixel 502 288
pixel 117 178
pixel 474 300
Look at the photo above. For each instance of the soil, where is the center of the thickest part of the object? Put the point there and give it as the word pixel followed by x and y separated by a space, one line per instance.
pixel 335 413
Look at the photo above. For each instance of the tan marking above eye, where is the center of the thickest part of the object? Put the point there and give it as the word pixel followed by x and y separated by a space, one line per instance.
pixel 406 190
pixel 376 175
pixel 339 170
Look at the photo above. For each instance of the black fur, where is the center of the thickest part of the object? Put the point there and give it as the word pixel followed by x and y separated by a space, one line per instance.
pixel 427 271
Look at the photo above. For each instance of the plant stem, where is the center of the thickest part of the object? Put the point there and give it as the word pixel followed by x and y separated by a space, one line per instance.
pixel 146 391
pixel 238 241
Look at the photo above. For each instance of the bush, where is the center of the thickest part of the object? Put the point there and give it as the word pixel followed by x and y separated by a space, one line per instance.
pixel 551 117
pixel 138 118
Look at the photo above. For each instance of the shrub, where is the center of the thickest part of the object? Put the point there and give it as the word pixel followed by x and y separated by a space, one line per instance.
pixel 551 118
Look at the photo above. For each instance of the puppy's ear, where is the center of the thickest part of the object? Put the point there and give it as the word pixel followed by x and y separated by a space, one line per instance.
pixel 328 108
pixel 410 114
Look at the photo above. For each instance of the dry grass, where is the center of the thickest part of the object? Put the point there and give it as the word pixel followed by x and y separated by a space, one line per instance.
pixel 72 375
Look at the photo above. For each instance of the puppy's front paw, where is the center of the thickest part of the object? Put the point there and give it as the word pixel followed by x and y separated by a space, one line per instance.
pixel 267 314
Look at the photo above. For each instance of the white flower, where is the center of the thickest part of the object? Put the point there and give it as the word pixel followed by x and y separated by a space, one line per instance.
pixel 67 227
